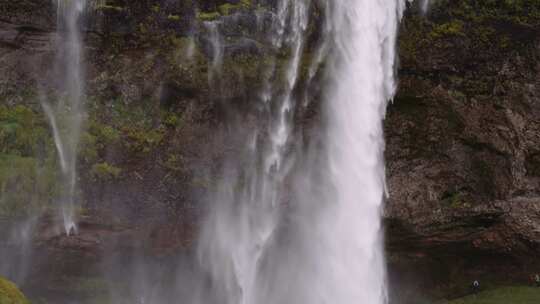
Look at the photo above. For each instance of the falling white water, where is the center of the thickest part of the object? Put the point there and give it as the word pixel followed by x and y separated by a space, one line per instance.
pixel 329 248
pixel 424 4
pixel 216 43
pixel 362 81
pixel 190 50
pixel 247 202
pixel 66 115
pixel 16 249
pixel 295 15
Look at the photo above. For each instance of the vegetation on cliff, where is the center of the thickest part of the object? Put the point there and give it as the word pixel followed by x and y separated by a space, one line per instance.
pixel 10 294
pixel 28 173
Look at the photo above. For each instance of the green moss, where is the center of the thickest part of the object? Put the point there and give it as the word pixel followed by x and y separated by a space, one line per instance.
pixel 452 28
pixel 135 128
pixel 175 18
pixel 517 12
pixel 207 16
pixel 95 140
pixel 26 184
pixel 105 172
pixel 229 8
pixel 504 295
pixel 251 68
pixel 105 134
pixel 88 148
pixel 123 115
pixel 22 131
pixel 174 163
pixel 10 294
pixel 247 3
pixel 412 38
pixel 490 28
pixel 141 140
pixel 28 168
pixel 105 7
pixel 172 120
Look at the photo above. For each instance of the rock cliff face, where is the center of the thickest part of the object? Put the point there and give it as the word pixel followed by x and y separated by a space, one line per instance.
pixel 463 138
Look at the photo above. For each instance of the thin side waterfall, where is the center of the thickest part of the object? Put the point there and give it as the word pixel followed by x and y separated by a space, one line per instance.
pixel 66 114
pixel 217 50
pixel 424 4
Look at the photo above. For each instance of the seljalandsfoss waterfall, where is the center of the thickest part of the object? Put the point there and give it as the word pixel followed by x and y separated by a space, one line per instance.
pixel 264 151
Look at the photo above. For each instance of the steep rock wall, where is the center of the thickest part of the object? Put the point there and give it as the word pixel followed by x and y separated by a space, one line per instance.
pixel 462 134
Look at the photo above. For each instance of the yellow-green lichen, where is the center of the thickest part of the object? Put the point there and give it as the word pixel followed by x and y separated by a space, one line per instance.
pixel 175 18
pixel 10 294
pixel 452 28
pixel 105 172
pixel 208 16
pixel 105 7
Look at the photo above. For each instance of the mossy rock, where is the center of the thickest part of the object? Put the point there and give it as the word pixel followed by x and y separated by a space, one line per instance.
pixel 26 184
pixel 10 294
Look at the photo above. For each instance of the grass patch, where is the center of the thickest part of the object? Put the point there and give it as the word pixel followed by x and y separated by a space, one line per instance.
pixel 504 295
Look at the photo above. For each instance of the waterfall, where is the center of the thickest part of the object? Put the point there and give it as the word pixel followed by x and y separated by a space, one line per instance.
pixel 362 81
pixel 217 50
pixel 247 201
pixel 323 244
pixel 16 253
pixel 424 5
pixel 66 115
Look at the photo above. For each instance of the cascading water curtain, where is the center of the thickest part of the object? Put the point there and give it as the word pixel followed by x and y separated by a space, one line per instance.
pixel 250 190
pixel 327 247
